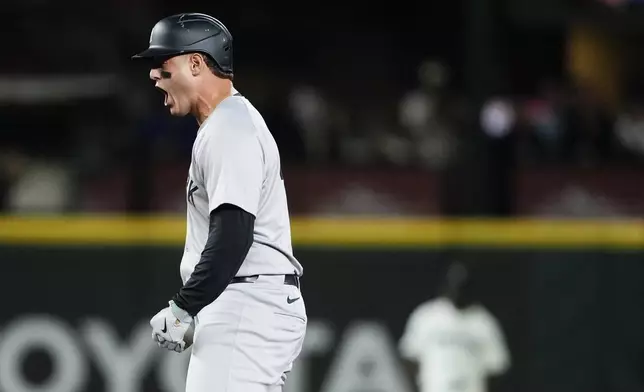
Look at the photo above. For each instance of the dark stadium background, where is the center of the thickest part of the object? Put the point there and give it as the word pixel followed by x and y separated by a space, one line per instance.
pixel 505 134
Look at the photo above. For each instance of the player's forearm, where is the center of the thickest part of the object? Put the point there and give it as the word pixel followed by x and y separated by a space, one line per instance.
pixel 230 238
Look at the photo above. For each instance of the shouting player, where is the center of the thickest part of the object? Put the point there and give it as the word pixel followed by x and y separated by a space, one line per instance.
pixel 241 287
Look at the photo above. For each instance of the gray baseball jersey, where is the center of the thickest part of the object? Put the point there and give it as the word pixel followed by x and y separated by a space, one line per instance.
pixel 235 160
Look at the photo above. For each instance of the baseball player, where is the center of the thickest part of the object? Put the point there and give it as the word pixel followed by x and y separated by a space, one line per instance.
pixel 241 287
pixel 455 342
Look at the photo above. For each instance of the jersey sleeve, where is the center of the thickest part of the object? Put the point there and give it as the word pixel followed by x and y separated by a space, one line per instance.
pixel 496 357
pixel 232 164
pixel 410 344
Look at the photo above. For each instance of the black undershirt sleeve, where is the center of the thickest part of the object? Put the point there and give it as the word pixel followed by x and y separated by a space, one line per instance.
pixel 229 239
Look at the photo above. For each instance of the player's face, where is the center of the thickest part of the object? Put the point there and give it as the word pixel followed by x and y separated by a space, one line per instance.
pixel 174 78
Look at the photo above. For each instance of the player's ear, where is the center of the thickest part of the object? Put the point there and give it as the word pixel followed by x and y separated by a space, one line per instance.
pixel 197 63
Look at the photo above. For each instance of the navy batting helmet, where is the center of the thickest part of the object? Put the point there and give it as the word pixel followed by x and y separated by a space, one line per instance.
pixel 191 33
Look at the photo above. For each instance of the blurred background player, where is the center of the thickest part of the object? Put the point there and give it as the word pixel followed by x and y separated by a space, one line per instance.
pixel 453 342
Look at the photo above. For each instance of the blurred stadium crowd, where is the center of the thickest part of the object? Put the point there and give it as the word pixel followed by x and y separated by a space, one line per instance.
pixel 82 129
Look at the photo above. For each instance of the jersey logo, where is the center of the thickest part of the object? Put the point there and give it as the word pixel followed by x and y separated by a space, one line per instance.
pixel 192 188
pixel 291 300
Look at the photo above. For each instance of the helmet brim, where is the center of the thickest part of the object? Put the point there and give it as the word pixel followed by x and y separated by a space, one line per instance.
pixel 156 53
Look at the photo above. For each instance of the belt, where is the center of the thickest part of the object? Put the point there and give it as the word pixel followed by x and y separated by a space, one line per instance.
pixel 290 280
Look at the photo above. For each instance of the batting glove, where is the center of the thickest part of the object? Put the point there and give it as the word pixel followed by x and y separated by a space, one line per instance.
pixel 169 327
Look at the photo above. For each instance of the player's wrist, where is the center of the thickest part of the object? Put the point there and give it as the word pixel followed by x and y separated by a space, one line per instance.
pixel 180 314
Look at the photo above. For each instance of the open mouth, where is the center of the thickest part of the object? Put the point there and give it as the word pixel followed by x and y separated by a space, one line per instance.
pixel 166 101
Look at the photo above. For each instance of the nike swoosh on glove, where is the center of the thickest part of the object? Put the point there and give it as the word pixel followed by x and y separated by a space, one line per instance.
pixel 169 327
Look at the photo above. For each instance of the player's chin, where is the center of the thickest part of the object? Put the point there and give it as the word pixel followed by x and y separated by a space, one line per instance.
pixel 176 111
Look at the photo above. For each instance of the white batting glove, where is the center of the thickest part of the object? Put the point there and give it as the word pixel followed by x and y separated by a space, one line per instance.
pixel 169 327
